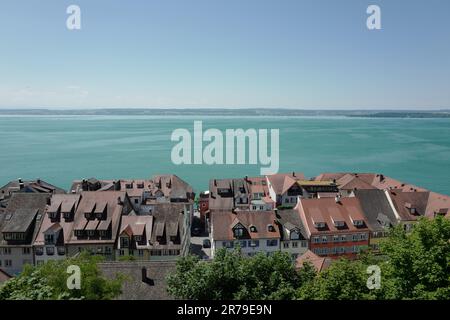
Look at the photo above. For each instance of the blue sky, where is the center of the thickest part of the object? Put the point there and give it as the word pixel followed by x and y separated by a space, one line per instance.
pixel 313 54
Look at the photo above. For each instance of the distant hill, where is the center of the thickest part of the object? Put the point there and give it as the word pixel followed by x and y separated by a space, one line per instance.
pixel 230 112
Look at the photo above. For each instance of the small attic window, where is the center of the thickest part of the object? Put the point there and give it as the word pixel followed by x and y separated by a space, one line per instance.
pixel 253 229
pixel 270 228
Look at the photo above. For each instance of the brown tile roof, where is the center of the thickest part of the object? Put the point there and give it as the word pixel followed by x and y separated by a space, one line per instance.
pixel 168 221
pixel 438 204
pixel 319 263
pixel 281 182
pixel 290 219
pixel 404 202
pixel 24 213
pixel 349 181
pixel 223 222
pixel 36 186
pixel 218 201
pixel 328 211
pixel 63 203
pixel 377 209
pixel 113 214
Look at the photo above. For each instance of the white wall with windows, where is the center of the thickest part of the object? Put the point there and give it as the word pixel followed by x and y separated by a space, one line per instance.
pixel 13 259
pixel 249 247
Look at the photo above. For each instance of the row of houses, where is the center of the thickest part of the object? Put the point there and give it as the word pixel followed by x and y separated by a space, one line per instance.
pixel 331 215
pixel 328 216
pixel 143 219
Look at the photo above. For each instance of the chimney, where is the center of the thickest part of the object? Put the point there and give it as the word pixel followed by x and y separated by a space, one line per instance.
pixel 38 180
pixel 20 180
pixel 246 178
pixel 337 198
pixel 117 185
pixel 293 173
pixel 381 177
pixel 215 183
pixel 119 201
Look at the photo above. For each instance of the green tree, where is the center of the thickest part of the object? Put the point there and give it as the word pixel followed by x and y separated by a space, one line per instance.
pixel 49 282
pixel 343 280
pixel 231 276
pixel 418 263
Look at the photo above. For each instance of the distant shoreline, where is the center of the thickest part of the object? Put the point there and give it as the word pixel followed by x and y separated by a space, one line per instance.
pixel 230 112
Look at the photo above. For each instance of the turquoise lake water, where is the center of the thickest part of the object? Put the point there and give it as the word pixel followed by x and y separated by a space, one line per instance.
pixel 60 149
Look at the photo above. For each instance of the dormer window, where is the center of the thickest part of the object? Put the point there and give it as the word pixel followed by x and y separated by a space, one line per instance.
pixel 270 228
pixel 124 242
pixel 53 215
pixel 89 216
pixel 140 186
pixel 49 238
pixel 91 233
pixel 129 185
pixel 238 232
pixel 339 224
pixel 67 215
pixel 253 229
pixel 138 238
pixel 358 223
pixel 319 225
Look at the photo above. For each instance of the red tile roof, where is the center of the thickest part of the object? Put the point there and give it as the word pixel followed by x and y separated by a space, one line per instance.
pixel 328 211
pixel 319 263
pixel 224 221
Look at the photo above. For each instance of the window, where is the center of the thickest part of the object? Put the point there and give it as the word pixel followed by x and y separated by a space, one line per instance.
pixel 270 228
pixel 286 245
pixel 355 237
pixel 108 250
pixel 304 244
pixel 254 207
pixel 238 232
pixel 121 252
pixel 8 263
pixel 39 251
pixel 50 251
pixel 272 243
pixel 253 229
pixel 254 243
pixel 294 256
pixel 295 235
pixel 295 244
pixel 344 238
pixel 227 244
pixel 61 251
pixel 131 252
pixel 49 238
pixel 316 239
pixel 335 238
pixel 140 253
pixel 91 233
pixel 243 244
pixel 6 250
pixel 26 250
pixel 324 239
pixel 124 242
pixel 136 201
